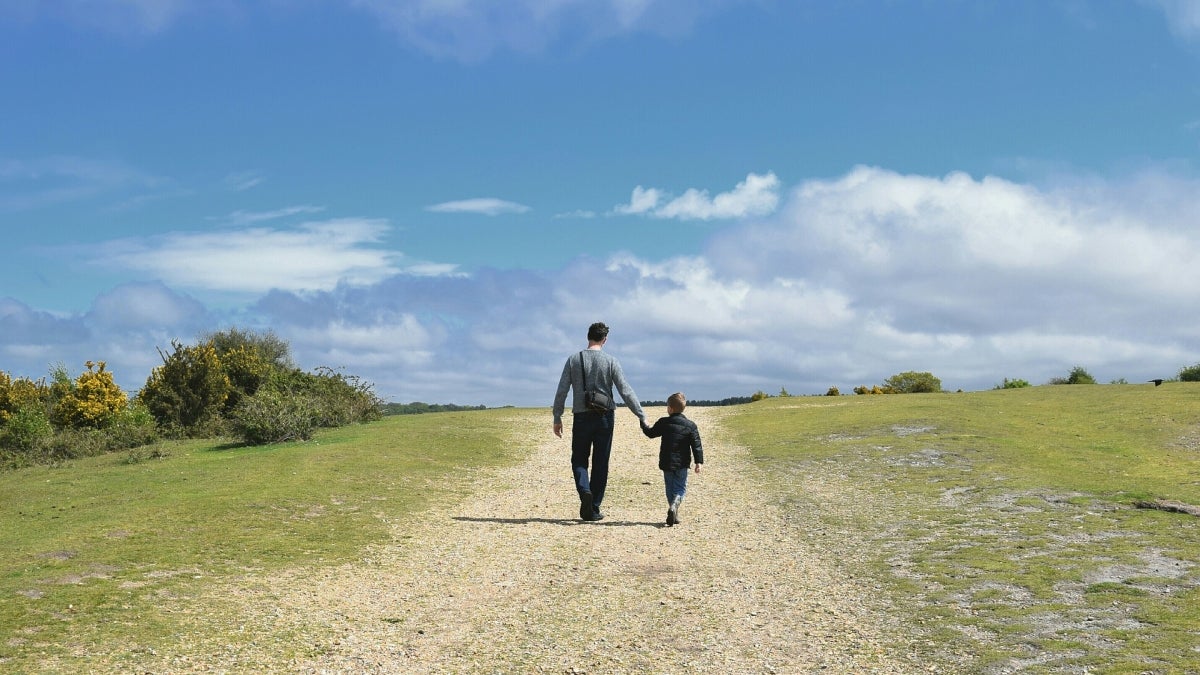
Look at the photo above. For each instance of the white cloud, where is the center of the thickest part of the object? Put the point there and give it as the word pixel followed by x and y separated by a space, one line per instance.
pixel 643 200
pixel 312 256
pixel 487 206
pixel 909 237
pixel 756 196
pixel 242 218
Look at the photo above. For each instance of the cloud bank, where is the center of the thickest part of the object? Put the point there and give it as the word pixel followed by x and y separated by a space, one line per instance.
pixel 852 279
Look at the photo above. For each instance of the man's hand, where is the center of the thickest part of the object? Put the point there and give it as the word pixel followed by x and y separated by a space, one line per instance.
pixel 697 468
pixel 558 429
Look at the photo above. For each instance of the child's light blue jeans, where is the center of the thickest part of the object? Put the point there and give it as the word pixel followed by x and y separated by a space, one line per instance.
pixel 676 482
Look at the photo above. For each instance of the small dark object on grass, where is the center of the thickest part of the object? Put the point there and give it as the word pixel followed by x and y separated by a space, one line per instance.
pixel 1156 381
pixel 1169 506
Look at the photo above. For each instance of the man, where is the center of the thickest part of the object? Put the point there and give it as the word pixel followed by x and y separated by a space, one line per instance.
pixel 592 431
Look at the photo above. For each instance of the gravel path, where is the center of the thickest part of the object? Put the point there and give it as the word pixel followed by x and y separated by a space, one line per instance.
pixel 507 580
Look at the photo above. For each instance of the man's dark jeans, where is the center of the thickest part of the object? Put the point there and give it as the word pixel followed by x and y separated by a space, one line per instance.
pixel 591 435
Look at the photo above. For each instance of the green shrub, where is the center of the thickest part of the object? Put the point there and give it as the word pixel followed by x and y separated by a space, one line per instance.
pixel 1190 374
pixel 1079 375
pixel 272 416
pixel 759 395
pixel 267 347
pixel 187 392
pixel 248 359
pixel 140 454
pixel 25 430
pixel 246 373
pixel 132 427
pixel 833 391
pixel 912 382
pixel 1013 384
pixel 336 399
pixel 69 443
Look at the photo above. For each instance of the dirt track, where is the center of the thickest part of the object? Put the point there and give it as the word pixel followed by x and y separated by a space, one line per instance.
pixel 508 580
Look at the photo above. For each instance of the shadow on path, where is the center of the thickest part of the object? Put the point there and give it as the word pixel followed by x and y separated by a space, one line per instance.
pixel 557 521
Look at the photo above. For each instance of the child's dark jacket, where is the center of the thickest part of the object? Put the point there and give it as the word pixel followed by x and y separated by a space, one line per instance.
pixel 680 442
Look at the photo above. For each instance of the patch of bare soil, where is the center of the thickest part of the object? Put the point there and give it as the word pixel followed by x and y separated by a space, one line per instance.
pixel 508 580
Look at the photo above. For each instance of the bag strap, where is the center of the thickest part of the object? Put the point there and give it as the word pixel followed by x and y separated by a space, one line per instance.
pixel 582 371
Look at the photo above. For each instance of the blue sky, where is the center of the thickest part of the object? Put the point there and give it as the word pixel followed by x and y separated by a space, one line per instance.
pixel 440 196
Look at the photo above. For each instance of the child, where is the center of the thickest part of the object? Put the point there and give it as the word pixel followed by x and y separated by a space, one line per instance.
pixel 680 444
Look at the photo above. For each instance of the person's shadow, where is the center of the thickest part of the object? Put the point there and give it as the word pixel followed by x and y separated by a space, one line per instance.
pixel 557 521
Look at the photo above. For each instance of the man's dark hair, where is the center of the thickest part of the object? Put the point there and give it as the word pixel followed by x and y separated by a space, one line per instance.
pixel 597 332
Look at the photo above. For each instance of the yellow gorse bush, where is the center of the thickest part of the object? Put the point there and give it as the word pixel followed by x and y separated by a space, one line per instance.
pixel 93 401
pixel 19 393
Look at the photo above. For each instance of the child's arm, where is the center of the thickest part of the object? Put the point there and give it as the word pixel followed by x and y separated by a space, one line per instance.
pixel 651 432
pixel 697 447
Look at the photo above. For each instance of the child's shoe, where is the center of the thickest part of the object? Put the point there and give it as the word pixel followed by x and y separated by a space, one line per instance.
pixel 675 510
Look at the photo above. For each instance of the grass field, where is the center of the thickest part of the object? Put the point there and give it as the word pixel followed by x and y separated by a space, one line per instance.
pixel 1005 521
pixel 94 551
pixel 1001 523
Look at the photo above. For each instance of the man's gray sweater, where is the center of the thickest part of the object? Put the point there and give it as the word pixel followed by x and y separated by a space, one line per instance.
pixel 603 372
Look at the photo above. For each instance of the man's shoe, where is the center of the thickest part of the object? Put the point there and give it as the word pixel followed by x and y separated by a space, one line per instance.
pixel 596 515
pixel 585 505
pixel 671 516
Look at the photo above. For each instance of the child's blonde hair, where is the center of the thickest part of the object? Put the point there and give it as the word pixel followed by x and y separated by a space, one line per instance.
pixel 676 402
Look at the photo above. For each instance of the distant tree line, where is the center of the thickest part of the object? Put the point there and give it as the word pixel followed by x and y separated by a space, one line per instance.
pixel 732 400
pixel 234 383
pixel 418 408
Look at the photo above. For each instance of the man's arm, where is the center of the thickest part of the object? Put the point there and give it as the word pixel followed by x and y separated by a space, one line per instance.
pixel 560 397
pixel 627 393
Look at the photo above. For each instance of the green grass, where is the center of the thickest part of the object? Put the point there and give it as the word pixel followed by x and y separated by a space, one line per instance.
pixel 1001 524
pixel 91 548
pixel 1004 520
